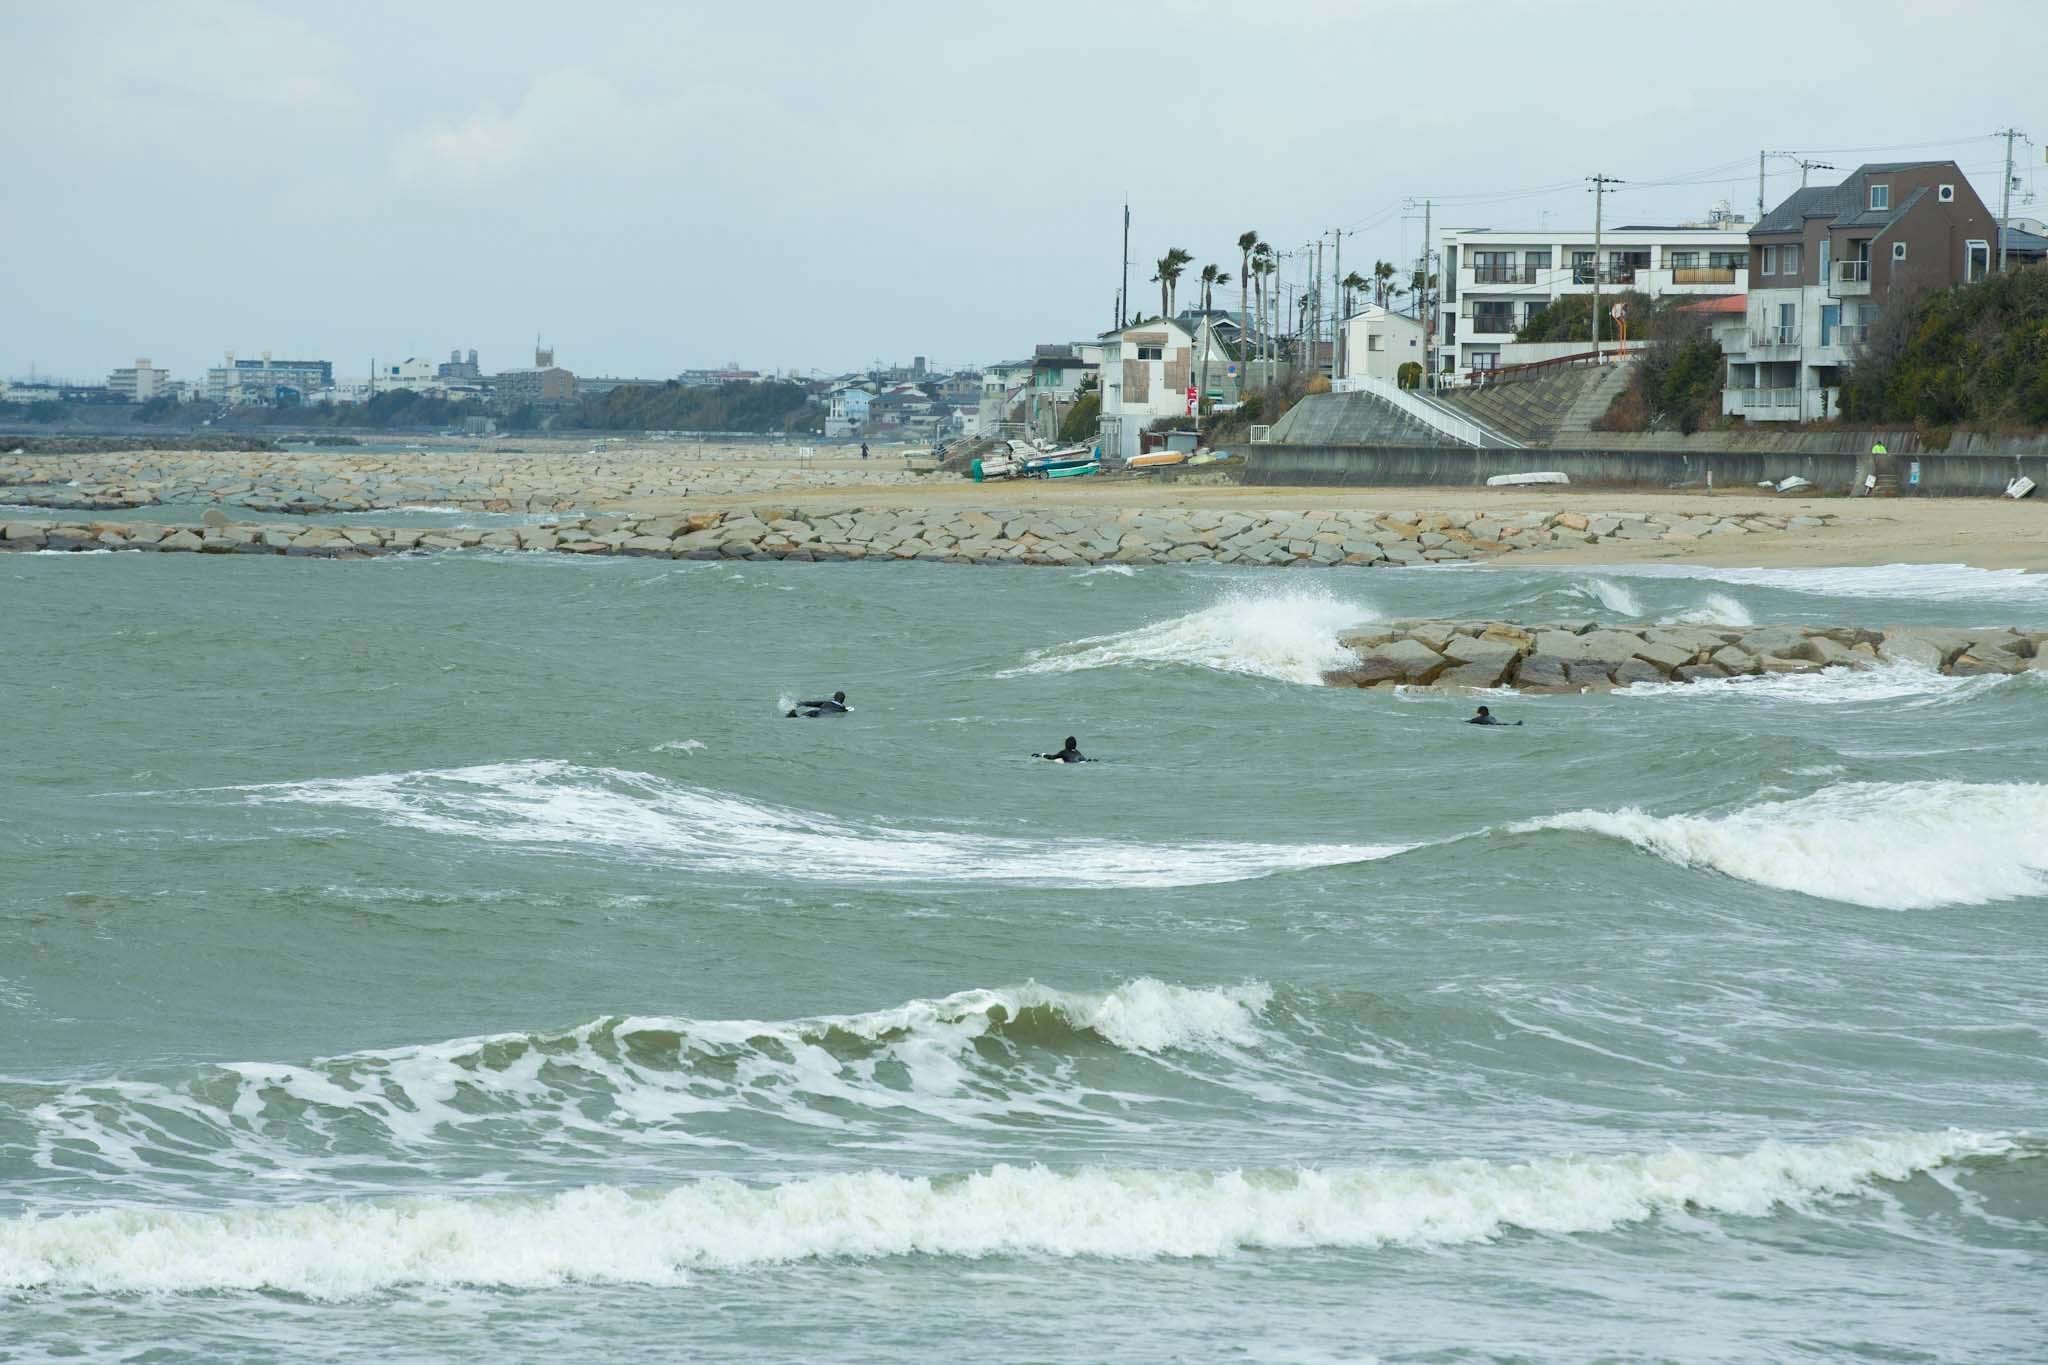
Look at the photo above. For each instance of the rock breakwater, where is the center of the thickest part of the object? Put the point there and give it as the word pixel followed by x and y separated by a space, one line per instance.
pixel 1291 538
pixel 313 483
pixel 1583 656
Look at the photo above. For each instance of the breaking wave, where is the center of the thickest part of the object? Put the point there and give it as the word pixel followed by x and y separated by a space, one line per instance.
pixel 1838 686
pixel 1919 582
pixel 1716 609
pixel 1289 635
pixel 552 804
pixel 338 1250
pixel 1887 845
pixel 598 1093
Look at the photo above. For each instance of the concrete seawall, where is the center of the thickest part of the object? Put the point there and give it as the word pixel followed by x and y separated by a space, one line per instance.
pixel 1840 473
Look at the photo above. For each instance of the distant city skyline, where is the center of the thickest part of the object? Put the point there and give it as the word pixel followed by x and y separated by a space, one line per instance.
pixel 811 188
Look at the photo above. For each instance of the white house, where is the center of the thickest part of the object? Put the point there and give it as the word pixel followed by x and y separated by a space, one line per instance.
pixel 1149 371
pixel 1377 343
pixel 848 412
pixel 1494 281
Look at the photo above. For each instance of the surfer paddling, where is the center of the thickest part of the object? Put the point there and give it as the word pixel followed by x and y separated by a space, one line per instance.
pixel 811 710
pixel 1486 717
pixel 1070 754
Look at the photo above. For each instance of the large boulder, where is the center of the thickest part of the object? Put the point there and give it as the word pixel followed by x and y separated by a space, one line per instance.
pixel 1402 661
pixel 1633 671
pixel 1734 660
pixel 1662 658
pixel 1902 648
pixel 1543 673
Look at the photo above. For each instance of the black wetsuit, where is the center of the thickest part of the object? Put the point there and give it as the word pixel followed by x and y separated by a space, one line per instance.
pixel 1066 755
pixel 811 710
pixel 1490 719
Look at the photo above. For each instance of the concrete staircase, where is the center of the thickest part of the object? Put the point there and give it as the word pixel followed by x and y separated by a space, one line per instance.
pixel 1545 407
pixel 1353 419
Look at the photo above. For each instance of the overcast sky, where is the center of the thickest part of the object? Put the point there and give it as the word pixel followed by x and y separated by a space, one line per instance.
pixel 797 185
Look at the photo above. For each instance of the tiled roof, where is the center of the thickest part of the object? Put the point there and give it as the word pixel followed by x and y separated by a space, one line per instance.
pixel 1845 205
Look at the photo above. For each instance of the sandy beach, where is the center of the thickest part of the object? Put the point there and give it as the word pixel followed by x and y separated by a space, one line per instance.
pixel 672 479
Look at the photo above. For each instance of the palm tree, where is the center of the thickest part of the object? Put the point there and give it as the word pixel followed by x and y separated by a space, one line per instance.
pixel 1352 284
pixel 1383 283
pixel 1262 265
pixel 1170 267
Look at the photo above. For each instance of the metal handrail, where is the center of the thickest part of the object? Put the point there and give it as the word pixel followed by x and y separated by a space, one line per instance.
pixel 1853 272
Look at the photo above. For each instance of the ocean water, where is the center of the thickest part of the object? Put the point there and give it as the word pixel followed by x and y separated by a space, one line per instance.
pixel 463 958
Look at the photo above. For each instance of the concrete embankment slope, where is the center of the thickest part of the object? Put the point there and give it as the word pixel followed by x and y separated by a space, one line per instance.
pixel 1287 538
pixel 1582 656
pixel 1838 473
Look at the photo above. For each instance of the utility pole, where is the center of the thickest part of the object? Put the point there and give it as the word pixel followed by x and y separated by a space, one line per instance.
pixel 1337 293
pixel 1428 317
pixel 1600 184
pixel 2005 199
pixel 1759 187
pixel 1805 166
pixel 1315 311
pixel 1123 295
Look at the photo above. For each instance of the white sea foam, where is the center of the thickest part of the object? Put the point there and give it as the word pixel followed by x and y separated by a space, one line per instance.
pixel 340 1250
pixel 679 746
pixel 550 804
pixel 652 1082
pixel 1109 570
pixel 1837 686
pixel 1888 845
pixel 1289 634
pixel 1922 582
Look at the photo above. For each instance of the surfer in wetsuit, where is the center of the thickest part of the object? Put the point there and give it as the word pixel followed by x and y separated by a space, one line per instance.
pixel 1486 717
pixel 1070 754
pixel 811 710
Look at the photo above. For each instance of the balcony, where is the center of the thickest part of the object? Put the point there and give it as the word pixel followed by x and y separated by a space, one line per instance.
pixel 1780 405
pixel 1493 324
pixel 1851 278
pixel 1501 274
pixel 1771 338
pixel 1705 274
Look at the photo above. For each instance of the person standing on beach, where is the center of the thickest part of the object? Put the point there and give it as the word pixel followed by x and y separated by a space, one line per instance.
pixel 863 450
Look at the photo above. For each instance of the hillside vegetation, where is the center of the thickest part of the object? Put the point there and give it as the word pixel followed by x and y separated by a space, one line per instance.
pixel 1977 355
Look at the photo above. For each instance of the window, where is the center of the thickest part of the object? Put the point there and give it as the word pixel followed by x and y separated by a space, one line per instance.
pixel 1898 251
pixel 1728 260
pixel 1788 324
pixel 1770 260
pixel 1373 340
pixel 1976 261
pixel 1788 259
pixel 1684 260
pixel 1880 196
pixel 1151 353
pixel 1946 194
pixel 1485 360
pixel 1493 267
pixel 1493 317
pixel 1534 262
pixel 1582 267
pixel 1533 311
pixel 1830 319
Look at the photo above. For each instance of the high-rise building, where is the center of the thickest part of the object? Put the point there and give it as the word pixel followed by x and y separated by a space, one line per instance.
pixel 140 382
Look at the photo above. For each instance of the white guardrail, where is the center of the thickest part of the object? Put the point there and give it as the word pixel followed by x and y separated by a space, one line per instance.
pixel 1429 414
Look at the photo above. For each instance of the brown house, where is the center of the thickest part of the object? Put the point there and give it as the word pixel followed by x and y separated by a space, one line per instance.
pixel 1824 263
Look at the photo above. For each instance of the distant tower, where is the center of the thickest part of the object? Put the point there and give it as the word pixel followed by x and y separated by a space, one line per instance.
pixel 472 357
pixel 455 356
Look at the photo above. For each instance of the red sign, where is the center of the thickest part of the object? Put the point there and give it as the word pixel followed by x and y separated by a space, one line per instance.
pixel 1191 400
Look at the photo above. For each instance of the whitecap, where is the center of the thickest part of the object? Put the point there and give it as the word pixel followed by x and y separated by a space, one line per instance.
pixel 609 1234
pixel 1288 634
pixel 1716 609
pixel 550 804
pixel 1923 582
pixel 1892 680
pixel 1887 845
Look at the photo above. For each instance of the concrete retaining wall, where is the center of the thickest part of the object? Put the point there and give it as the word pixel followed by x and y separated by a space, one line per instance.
pixel 1941 475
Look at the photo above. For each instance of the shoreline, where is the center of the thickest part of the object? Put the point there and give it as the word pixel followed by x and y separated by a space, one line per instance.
pixel 655 482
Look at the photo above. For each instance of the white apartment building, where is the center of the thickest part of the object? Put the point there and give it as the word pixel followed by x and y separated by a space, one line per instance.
pixel 140 383
pixel 1494 280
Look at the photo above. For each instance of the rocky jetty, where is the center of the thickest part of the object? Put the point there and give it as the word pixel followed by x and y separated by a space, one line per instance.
pixel 312 483
pixel 1583 656
pixel 1292 538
